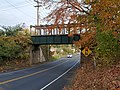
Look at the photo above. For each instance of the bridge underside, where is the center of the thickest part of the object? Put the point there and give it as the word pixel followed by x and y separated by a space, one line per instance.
pixel 54 39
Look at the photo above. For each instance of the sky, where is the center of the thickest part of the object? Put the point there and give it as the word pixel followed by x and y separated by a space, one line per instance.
pixel 13 12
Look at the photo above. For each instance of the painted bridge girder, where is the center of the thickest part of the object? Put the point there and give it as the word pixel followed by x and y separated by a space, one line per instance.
pixel 55 39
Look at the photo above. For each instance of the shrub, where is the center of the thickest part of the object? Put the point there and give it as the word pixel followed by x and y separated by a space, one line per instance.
pixel 107 49
pixel 13 47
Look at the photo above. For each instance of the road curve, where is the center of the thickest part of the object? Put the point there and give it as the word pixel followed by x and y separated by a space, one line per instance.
pixel 48 76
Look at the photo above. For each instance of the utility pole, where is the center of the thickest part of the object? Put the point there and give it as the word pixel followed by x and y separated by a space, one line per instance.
pixel 38 7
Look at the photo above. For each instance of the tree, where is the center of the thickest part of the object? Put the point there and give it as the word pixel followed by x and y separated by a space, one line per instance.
pixel 70 12
pixel 14 44
pixel 2 33
pixel 10 30
pixel 92 16
pixel 107 49
pixel 89 14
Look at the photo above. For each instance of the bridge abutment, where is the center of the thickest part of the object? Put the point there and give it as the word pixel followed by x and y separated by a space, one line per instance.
pixel 36 54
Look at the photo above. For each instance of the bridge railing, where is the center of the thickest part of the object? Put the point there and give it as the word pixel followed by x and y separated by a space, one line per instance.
pixel 54 29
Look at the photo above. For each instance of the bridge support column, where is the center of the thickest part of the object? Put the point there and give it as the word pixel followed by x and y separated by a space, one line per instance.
pixel 36 54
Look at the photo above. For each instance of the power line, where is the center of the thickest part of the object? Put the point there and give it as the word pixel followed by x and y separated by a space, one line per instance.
pixel 15 4
pixel 18 19
pixel 18 9
pixel 13 15
pixel 22 6
pixel 29 3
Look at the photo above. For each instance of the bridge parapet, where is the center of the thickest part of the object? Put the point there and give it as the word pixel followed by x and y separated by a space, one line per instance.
pixel 59 29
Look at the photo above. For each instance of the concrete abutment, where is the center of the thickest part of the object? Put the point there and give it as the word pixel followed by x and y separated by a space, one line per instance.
pixel 39 54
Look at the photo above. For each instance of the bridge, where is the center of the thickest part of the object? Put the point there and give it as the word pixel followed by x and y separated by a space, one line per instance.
pixel 54 39
pixel 49 35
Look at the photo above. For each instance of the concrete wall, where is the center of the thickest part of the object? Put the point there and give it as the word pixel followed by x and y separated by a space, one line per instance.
pixel 37 54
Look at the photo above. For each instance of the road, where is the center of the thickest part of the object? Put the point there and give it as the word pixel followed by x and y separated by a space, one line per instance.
pixel 47 76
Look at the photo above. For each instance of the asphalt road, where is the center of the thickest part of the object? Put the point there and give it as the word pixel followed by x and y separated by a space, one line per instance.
pixel 48 76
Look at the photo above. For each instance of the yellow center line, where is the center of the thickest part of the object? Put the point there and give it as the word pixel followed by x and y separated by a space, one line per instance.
pixel 22 77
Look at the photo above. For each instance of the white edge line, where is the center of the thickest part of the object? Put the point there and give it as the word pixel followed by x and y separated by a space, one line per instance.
pixel 58 77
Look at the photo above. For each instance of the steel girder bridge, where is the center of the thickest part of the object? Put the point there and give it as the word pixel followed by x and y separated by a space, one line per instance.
pixel 54 34
pixel 49 35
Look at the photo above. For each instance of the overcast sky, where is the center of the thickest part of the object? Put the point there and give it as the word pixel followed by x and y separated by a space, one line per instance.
pixel 14 12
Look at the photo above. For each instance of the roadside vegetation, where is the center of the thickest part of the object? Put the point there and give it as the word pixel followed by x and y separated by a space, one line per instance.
pixel 107 50
pixel 14 46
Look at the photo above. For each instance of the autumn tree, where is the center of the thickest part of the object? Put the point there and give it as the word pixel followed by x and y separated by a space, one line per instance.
pixel 10 30
pixel 105 16
pixel 92 16
pixel 73 13
pixel 89 14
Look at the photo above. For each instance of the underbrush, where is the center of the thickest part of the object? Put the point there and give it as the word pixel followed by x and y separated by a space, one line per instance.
pixel 14 65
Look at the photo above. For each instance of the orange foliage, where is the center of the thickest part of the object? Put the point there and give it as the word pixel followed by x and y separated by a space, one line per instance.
pixel 87 14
